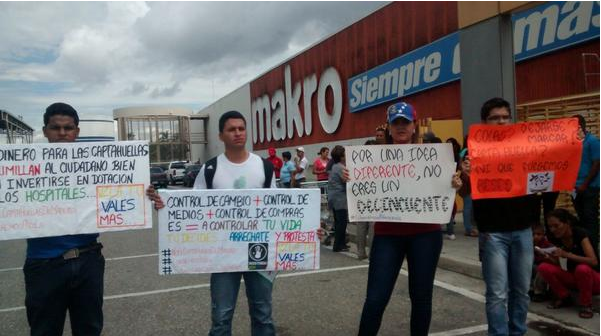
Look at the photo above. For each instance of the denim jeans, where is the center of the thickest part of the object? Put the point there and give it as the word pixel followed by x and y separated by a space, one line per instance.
pixel 467 213
pixel 451 224
pixel 386 257
pixel 586 204
pixel 507 267
pixel 365 237
pixel 341 221
pixel 224 294
pixel 53 286
pixel 450 229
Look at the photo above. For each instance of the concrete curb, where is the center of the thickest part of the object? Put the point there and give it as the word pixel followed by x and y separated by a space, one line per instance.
pixel 464 267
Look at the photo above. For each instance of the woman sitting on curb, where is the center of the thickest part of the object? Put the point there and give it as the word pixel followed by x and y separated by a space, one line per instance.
pixel 573 244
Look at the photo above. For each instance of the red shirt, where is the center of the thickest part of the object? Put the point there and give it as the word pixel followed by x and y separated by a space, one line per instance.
pixel 321 166
pixel 277 164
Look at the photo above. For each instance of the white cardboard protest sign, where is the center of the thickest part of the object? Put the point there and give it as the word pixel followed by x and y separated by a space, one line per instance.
pixel 207 231
pixel 58 189
pixel 400 183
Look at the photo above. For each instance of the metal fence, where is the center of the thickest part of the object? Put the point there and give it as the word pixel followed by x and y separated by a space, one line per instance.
pixel 327 217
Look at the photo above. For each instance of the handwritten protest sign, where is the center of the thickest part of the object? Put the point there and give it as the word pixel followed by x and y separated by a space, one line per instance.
pixel 400 183
pixel 206 231
pixel 71 188
pixel 523 158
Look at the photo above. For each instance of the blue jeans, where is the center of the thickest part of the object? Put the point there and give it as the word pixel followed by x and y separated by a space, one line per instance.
pixel 450 227
pixel 53 286
pixel 340 222
pixel 507 267
pixel 586 204
pixel 386 257
pixel 467 213
pixel 224 294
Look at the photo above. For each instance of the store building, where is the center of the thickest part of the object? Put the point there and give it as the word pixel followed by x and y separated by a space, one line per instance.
pixel 166 128
pixel 96 128
pixel 336 91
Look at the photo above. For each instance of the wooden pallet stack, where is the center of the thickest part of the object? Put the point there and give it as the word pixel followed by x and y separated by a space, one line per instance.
pixel 586 105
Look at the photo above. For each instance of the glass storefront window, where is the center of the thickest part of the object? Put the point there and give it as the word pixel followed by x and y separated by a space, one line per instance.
pixel 164 134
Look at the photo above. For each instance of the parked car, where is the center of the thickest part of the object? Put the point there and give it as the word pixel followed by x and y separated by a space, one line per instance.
pixel 190 174
pixel 175 171
pixel 158 177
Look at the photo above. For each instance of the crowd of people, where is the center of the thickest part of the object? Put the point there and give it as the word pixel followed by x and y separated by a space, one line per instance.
pixel 521 253
pixel 523 258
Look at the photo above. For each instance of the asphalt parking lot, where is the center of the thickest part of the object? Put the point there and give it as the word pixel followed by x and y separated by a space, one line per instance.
pixel 139 301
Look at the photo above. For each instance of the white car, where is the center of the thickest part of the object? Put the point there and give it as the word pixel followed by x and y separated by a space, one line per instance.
pixel 175 171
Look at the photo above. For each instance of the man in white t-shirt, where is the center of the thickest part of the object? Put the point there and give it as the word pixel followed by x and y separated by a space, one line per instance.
pixel 236 168
pixel 301 164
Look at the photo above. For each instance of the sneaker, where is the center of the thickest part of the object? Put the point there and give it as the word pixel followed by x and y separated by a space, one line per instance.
pixel 451 237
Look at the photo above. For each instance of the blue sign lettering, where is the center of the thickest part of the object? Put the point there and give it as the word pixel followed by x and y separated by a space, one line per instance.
pixel 548 27
pixel 553 26
pixel 420 69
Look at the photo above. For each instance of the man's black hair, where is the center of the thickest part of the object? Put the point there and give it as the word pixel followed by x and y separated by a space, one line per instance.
pixel 491 104
pixel 337 153
pixel 229 115
pixel 287 156
pixel 581 121
pixel 60 109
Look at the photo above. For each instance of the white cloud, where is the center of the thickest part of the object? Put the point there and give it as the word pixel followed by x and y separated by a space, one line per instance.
pixel 98 56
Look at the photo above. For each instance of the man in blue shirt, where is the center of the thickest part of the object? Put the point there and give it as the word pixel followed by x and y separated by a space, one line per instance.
pixel 586 200
pixel 64 272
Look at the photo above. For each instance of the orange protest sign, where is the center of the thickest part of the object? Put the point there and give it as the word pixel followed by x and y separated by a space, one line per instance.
pixel 523 158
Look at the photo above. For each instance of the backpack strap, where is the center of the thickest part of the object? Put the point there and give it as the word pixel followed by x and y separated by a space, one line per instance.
pixel 268 168
pixel 210 169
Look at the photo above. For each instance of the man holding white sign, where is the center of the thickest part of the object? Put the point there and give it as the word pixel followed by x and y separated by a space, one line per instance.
pixel 64 272
pixel 236 168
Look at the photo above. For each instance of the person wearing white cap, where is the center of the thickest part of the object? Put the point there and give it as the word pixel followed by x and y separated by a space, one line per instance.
pixel 301 164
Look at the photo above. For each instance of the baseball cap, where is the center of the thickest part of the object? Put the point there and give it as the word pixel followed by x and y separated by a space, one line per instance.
pixel 400 110
pixel 300 149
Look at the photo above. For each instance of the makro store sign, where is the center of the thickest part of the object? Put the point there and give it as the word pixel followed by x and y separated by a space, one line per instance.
pixel 540 30
pixel 282 113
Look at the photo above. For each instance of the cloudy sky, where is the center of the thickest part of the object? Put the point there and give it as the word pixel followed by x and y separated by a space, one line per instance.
pixel 99 56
